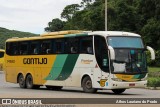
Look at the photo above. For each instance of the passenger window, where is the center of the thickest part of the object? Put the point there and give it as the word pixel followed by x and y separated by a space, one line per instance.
pixel 46 47
pixel 12 48
pixel 71 46
pixel 86 45
pixel 24 46
pixel 35 47
pixel 1 54
pixel 59 46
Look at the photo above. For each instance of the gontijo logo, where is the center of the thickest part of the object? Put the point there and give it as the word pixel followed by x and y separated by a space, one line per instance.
pixel 35 61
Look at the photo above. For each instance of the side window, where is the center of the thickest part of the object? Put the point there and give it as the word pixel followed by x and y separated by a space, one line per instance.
pixel 58 46
pixel 1 54
pixel 46 47
pixel 34 47
pixel 86 45
pixel 12 48
pixel 71 46
pixel 24 48
pixel 101 53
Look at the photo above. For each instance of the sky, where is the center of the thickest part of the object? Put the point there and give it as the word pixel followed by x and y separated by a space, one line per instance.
pixel 31 15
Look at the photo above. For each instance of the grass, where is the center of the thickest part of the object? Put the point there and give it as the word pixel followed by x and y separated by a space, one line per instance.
pixel 154 69
pixel 154 77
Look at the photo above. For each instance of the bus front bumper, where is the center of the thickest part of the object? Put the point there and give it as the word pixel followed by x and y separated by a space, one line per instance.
pixel 121 85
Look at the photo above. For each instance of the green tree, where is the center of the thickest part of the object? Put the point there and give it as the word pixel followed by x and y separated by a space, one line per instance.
pixel 69 11
pixel 122 15
pixel 55 25
pixel 151 33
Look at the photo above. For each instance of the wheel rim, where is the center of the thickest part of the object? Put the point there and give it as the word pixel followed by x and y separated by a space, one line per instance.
pixel 29 81
pixel 21 80
pixel 88 84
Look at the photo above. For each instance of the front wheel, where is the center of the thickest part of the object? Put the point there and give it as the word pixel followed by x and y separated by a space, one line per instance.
pixel 87 85
pixel 118 91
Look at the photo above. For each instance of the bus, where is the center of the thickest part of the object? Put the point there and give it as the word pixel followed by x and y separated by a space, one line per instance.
pixel 1 59
pixel 96 60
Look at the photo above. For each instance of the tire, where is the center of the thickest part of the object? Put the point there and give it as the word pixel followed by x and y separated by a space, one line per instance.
pixel 87 85
pixel 118 91
pixel 54 87
pixel 21 81
pixel 29 82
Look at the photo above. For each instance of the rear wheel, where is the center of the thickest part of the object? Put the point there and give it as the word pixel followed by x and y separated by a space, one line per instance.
pixel 54 87
pixel 29 82
pixel 118 91
pixel 21 81
pixel 87 85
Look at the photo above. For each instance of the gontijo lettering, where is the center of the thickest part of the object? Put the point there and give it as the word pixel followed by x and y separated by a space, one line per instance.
pixel 35 61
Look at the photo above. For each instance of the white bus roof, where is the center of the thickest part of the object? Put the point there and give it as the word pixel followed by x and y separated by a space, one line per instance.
pixel 62 34
pixel 113 33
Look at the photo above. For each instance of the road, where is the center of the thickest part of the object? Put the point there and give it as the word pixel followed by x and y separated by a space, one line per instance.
pixel 13 91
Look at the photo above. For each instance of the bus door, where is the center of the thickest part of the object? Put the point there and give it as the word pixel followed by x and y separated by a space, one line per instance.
pixel 101 72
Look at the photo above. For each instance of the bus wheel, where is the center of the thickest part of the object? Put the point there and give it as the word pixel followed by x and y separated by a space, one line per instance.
pixel 21 81
pixel 29 82
pixel 118 91
pixel 54 87
pixel 87 85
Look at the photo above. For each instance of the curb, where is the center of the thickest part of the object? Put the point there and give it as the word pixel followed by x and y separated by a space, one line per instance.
pixel 153 88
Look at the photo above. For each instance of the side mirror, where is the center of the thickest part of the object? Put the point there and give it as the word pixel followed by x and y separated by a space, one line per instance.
pixel 112 52
pixel 152 52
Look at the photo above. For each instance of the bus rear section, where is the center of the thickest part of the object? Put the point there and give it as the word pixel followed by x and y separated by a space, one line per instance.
pixel 2 59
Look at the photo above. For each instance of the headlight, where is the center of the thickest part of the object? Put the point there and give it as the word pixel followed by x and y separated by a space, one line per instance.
pixel 116 79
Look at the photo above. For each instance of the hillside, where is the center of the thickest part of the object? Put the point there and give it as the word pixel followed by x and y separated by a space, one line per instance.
pixel 6 33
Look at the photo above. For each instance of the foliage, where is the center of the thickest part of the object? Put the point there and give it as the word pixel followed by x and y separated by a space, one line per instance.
pixel 155 62
pixel 153 82
pixel 137 16
pixel 55 25
pixel 5 34
pixel 154 77
pixel 69 11
pixel 151 32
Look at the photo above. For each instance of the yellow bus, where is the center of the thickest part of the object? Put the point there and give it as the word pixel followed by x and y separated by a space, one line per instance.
pixel 1 59
pixel 91 60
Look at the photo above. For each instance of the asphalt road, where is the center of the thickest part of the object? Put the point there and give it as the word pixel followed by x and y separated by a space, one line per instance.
pixel 13 91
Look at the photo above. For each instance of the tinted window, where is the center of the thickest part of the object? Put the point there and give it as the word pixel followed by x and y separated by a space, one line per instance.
pixel 101 53
pixel 35 47
pixel 58 46
pixel 46 47
pixel 1 54
pixel 12 48
pixel 86 45
pixel 72 45
pixel 24 46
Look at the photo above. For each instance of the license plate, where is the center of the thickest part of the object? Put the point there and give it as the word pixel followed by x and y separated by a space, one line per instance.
pixel 131 85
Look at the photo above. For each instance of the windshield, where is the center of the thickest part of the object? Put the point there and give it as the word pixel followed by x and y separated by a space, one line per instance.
pixel 130 61
pixel 125 42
